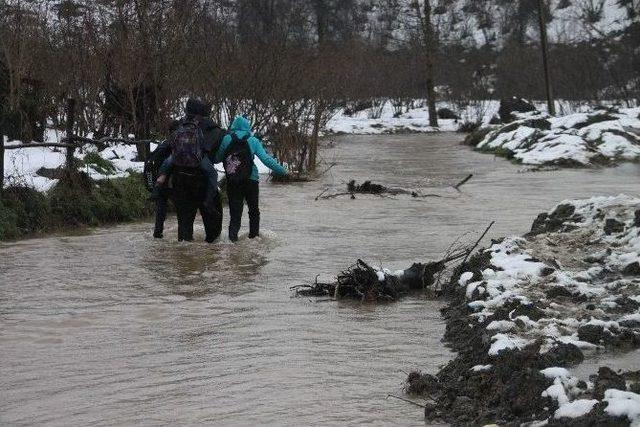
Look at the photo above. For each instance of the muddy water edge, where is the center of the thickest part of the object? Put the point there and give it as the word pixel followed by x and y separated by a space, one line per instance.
pixel 114 327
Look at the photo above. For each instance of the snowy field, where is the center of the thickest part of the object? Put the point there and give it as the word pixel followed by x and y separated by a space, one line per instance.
pixel 576 140
pixel 386 121
pixel 25 167
pixel 580 267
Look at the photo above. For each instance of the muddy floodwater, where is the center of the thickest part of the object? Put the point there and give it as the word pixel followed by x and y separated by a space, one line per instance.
pixel 116 328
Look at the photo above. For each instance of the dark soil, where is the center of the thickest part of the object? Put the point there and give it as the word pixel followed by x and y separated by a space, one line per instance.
pixel 510 391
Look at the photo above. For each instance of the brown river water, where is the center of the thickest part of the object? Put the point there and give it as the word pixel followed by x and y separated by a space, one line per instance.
pixel 112 327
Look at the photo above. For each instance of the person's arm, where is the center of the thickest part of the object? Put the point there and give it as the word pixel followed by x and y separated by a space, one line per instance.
pixel 219 157
pixel 166 167
pixel 270 162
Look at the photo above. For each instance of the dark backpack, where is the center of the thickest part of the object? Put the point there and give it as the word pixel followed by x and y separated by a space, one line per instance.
pixel 152 164
pixel 238 160
pixel 186 145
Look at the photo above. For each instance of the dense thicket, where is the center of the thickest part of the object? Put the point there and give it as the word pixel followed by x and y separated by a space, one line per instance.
pixel 129 63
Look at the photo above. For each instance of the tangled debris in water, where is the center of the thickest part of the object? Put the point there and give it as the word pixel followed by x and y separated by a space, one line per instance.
pixel 363 282
pixel 369 187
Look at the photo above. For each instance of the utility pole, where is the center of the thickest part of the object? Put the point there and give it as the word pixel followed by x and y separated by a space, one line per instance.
pixel 545 58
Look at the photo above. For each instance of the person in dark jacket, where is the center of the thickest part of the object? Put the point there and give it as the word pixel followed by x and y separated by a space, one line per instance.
pixel 247 189
pixel 152 166
pixel 200 112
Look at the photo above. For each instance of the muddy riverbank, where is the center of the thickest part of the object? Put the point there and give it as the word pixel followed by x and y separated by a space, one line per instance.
pixel 114 327
pixel 526 308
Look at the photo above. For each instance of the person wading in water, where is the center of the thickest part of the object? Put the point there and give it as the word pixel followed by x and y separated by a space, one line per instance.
pixel 237 152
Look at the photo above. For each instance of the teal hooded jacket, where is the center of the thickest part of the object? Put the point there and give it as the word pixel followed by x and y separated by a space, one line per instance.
pixel 242 127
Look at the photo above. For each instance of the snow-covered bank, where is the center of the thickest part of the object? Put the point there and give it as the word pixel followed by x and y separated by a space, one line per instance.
pixel 527 307
pixel 386 119
pixel 579 139
pixel 38 167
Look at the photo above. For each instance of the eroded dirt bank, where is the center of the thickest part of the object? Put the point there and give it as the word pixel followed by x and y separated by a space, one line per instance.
pixel 527 308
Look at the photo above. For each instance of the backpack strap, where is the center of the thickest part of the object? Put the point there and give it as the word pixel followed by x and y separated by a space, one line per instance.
pixel 235 140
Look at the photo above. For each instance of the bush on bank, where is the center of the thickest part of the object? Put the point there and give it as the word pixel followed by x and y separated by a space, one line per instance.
pixel 75 201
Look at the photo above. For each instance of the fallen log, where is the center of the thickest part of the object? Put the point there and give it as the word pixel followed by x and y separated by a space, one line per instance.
pixel 369 187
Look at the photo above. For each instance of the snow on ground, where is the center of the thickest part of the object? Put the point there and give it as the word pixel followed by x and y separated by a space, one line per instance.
pixel 24 167
pixel 576 277
pixel 372 122
pixel 575 409
pixel 573 404
pixel 576 139
pixel 591 259
pixel 623 404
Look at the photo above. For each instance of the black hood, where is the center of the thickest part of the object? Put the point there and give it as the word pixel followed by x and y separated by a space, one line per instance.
pixel 197 107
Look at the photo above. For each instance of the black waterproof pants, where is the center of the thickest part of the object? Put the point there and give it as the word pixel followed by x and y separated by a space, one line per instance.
pixel 161 213
pixel 237 193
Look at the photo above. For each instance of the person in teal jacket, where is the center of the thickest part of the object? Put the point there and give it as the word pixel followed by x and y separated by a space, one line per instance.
pixel 245 189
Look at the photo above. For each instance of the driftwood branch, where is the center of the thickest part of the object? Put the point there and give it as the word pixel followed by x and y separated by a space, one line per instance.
pixel 372 188
pixel 463 182
pixel 477 242
pixel 407 400
pixel 369 187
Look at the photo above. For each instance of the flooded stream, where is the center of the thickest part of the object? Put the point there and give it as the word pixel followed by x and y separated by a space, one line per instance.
pixel 116 328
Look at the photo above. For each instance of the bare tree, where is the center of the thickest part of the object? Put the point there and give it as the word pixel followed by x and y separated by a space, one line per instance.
pixel 424 13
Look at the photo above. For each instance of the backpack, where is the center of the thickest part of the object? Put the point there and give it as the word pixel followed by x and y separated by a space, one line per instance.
pixel 238 160
pixel 186 145
pixel 152 164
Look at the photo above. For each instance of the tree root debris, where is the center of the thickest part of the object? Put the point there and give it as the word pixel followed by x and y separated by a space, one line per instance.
pixel 372 188
pixel 367 284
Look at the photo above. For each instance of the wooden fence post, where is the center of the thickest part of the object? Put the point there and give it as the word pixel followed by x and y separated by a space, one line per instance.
pixel 71 116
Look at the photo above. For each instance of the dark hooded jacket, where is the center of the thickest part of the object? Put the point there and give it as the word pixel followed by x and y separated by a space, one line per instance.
pixel 211 131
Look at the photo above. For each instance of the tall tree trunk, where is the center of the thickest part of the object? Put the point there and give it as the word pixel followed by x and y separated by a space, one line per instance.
pixel 428 42
pixel 320 9
pixel 545 59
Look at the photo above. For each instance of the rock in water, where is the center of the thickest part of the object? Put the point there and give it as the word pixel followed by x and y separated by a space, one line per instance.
pixel 632 269
pixel 613 226
pixel 607 379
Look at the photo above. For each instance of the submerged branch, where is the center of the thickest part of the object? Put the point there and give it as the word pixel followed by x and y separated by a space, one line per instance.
pixel 369 187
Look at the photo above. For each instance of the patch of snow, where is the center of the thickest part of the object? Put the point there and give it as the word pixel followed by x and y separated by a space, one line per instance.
pixel 501 326
pixel 464 278
pixel 505 342
pixel 387 120
pixel 555 372
pixel 623 404
pixel 557 392
pixel 575 409
pixel 569 139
